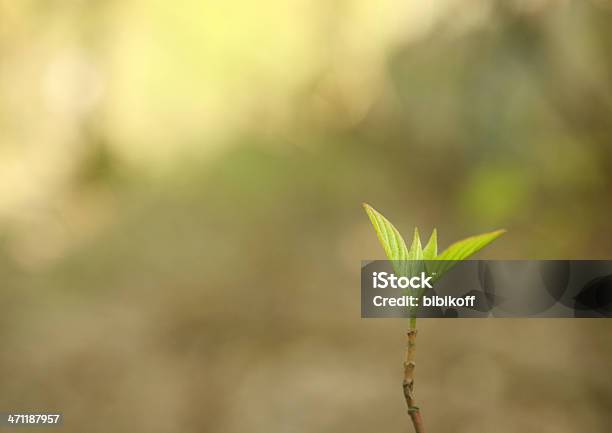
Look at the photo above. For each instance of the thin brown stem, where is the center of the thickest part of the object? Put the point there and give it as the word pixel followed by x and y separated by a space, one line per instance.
pixel 408 383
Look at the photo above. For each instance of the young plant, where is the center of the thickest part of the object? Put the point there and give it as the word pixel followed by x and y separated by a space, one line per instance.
pixel 404 261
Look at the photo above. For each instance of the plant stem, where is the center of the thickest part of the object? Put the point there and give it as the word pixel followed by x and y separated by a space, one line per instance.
pixel 408 383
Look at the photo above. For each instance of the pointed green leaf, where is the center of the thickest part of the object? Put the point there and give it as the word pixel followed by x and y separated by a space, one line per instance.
pixel 416 250
pixel 390 239
pixel 465 248
pixel 462 250
pixel 431 249
pixel 415 256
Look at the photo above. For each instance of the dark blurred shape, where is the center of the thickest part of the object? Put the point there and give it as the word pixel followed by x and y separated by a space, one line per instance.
pixel 596 295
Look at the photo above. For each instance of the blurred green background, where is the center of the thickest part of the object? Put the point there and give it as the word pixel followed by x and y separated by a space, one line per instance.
pixel 180 208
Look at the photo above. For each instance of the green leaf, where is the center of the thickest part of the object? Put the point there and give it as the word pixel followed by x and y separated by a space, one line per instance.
pixel 431 249
pixel 462 250
pixel 390 239
pixel 397 252
pixel 465 248
pixel 416 250
pixel 415 255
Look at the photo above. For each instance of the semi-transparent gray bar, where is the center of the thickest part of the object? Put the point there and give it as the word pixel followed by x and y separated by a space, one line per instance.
pixel 487 288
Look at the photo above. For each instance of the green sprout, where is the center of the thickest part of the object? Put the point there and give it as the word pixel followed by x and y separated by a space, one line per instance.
pixel 406 262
